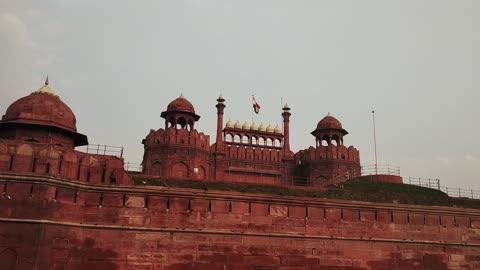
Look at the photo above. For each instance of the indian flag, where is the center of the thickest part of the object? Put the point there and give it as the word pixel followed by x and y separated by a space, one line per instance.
pixel 256 106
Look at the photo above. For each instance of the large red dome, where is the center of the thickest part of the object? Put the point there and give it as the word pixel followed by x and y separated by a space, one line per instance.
pixel 41 109
pixel 181 104
pixel 329 122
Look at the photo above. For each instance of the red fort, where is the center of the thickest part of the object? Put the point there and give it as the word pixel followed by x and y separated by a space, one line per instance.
pixel 62 208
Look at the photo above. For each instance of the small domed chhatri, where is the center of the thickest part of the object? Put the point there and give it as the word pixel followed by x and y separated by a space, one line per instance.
pixel 246 126
pixel 329 122
pixel 254 127
pixel 180 112
pixel 181 104
pixel 238 124
pixel 229 124
pixel 277 130
pixel 262 128
pixel 269 128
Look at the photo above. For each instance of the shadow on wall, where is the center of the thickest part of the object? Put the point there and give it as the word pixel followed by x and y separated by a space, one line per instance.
pixel 90 257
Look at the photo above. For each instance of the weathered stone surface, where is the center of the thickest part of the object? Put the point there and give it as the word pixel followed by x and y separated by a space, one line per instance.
pixel 198 231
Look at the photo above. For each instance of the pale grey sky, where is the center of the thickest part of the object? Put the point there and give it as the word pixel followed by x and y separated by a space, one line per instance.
pixel 118 64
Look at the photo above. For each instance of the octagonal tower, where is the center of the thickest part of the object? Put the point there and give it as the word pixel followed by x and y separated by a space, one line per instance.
pixel 179 150
pixel 330 162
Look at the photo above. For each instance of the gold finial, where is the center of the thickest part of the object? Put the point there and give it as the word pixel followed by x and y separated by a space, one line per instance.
pixel 45 89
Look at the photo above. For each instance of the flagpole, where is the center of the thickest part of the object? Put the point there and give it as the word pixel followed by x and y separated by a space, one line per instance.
pixel 375 142
pixel 281 117
pixel 252 109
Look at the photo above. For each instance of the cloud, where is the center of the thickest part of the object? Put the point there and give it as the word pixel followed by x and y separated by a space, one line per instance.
pixel 15 31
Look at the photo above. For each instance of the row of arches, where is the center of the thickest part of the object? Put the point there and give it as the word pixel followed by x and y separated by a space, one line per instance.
pixel 330 153
pixel 327 140
pixel 178 170
pixel 181 136
pixel 179 122
pixel 253 140
pixel 251 153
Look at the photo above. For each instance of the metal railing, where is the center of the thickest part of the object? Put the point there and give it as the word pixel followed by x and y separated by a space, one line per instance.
pixel 380 169
pixel 133 167
pixel 99 149
pixel 452 192
pixel 425 182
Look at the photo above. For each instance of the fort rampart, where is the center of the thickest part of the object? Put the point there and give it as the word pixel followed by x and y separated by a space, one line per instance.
pixel 50 223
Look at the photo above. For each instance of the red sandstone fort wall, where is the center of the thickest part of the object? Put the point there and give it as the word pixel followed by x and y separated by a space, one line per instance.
pixel 48 159
pixel 48 223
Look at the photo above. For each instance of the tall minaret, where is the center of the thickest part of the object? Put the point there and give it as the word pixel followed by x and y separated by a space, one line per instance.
pixel 220 106
pixel 286 130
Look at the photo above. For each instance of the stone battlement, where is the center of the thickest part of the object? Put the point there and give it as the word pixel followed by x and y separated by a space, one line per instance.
pixel 143 227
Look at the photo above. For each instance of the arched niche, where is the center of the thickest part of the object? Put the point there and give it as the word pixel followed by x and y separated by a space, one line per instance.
pixel 49 152
pixel 3 148
pixel 156 168
pixel 201 174
pixel 24 150
pixel 180 170
pixel 8 259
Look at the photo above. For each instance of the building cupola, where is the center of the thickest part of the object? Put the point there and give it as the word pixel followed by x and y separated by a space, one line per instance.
pixel 44 114
pixel 180 114
pixel 329 131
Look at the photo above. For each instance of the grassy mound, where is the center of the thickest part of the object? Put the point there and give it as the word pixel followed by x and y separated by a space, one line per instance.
pixel 358 190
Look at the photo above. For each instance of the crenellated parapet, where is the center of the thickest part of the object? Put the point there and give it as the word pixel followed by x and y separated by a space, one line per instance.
pixel 180 137
pixel 65 163
pixel 331 153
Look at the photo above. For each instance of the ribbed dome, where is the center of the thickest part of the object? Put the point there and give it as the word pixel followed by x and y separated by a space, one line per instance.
pixel 246 125
pixel 277 130
pixel 262 128
pixel 229 124
pixel 329 122
pixel 181 104
pixel 254 127
pixel 42 107
pixel 238 124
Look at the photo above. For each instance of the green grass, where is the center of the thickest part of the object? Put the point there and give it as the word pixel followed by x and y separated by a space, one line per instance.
pixel 360 190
